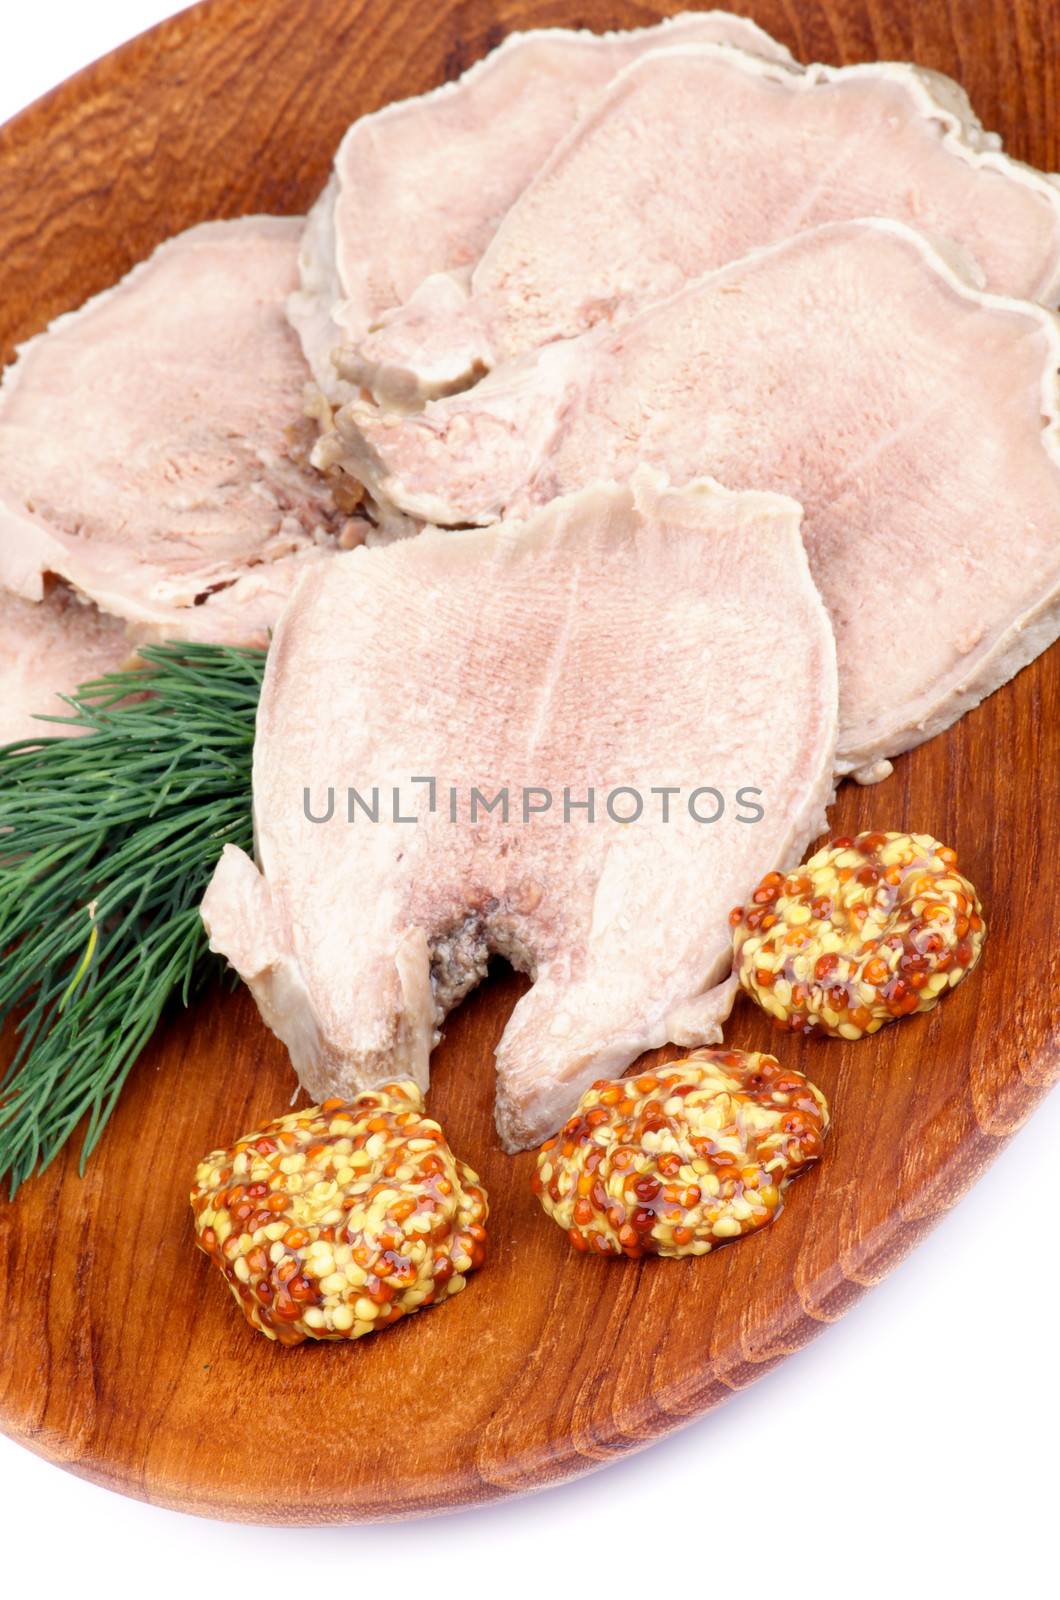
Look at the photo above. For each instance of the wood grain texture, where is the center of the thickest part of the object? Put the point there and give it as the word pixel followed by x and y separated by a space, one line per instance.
pixel 121 1354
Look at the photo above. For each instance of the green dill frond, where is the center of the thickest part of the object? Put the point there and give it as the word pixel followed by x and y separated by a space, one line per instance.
pixel 107 843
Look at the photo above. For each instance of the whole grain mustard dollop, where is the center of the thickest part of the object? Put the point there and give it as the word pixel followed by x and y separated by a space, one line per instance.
pixel 678 1161
pixel 871 929
pixel 338 1220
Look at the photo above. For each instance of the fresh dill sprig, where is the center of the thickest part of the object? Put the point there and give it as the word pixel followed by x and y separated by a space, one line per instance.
pixel 107 843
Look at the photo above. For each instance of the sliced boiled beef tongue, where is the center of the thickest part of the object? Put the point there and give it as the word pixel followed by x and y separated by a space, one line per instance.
pixel 639 642
pixel 152 444
pixel 48 649
pixel 692 157
pixel 915 418
pixel 419 188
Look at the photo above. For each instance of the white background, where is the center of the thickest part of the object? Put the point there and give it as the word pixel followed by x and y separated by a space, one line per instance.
pixel 912 1449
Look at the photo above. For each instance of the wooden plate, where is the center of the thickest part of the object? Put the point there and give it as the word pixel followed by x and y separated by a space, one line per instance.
pixel 121 1354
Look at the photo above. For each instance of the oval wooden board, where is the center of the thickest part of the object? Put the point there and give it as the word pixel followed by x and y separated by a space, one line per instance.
pixel 121 1354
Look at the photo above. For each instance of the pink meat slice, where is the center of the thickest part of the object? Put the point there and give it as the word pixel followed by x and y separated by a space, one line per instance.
pixel 152 444
pixel 914 417
pixel 692 157
pixel 48 649
pixel 419 187
pixel 620 637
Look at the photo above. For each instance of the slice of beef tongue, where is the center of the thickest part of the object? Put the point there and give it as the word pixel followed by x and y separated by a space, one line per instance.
pixel 691 157
pixel 48 649
pixel 914 417
pixel 153 447
pixel 419 187
pixel 637 639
